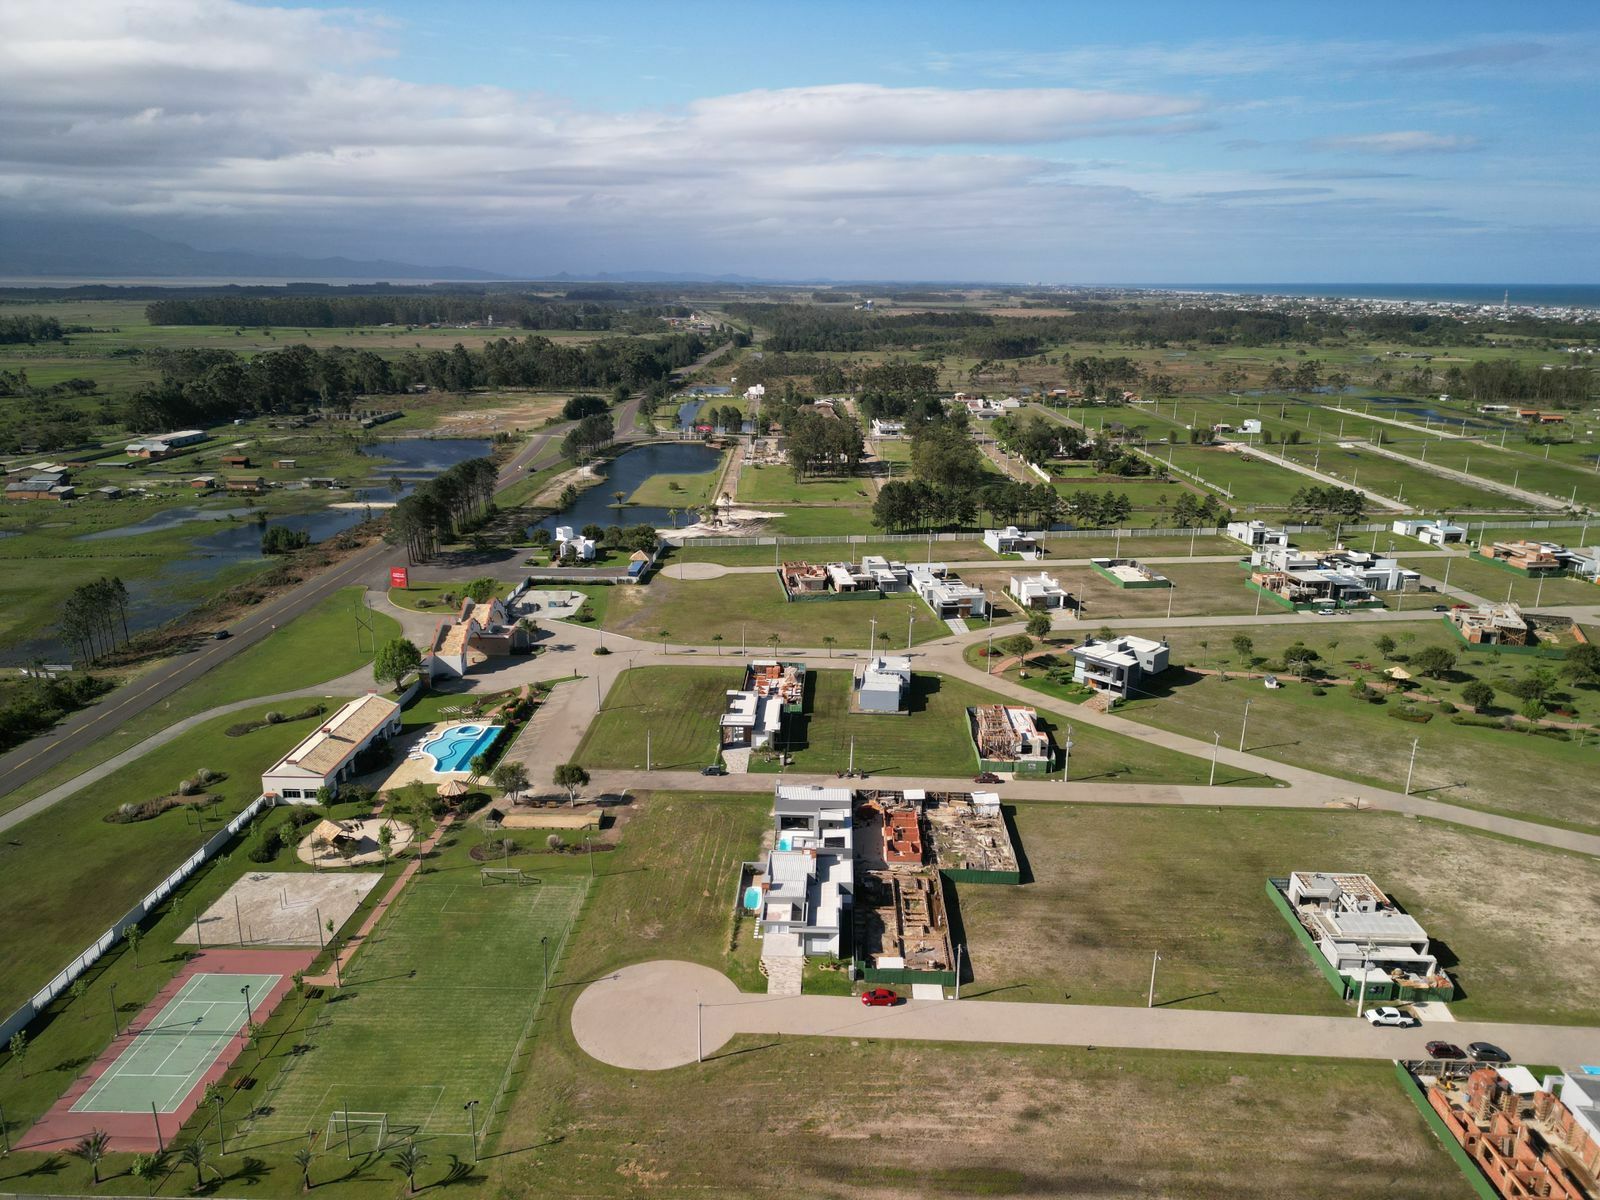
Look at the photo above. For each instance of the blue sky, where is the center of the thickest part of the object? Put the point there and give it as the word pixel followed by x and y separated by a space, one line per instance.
pixel 1051 142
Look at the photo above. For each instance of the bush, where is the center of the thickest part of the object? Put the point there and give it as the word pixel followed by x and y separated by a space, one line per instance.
pixel 1319 691
pixel 1410 712
pixel 602 650
pixel 188 787
pixel 274 718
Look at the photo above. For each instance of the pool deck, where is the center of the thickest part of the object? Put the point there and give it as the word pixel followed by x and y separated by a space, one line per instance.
pixel 417 770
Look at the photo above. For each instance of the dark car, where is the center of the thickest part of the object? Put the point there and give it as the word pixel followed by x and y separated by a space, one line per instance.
pixel 880 998
pixel 221 635
pixel 1441 608
pixel 713 770
pixel 1487 1052
pixel 986 777
pixel 1444 1050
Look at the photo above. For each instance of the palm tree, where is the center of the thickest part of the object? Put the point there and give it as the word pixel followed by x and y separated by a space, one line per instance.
pixel 672 515
pixel 92 1148
pixel 829 641
pixel 773 640
pixel 619 497
pixel 664 635
pixel 195 1155
pixel 303 1158
pixel 406 1160
pixel 717 638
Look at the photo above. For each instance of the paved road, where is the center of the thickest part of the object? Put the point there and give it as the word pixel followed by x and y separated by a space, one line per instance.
pixel 663 1014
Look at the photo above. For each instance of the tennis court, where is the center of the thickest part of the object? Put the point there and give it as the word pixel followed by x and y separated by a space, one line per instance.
pixel 167 1058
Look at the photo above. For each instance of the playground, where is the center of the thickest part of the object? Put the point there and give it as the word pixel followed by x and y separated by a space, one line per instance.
pixel 149 1080
pixel 281 908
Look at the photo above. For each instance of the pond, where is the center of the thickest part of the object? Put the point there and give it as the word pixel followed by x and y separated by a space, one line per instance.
pixel 597 505
pixel 168 592
pixel 1424 411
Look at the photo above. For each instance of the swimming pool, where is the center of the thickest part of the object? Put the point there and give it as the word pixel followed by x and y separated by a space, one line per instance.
pixel 456 747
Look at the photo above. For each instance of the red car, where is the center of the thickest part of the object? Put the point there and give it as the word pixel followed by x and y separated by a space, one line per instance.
pixel 880 998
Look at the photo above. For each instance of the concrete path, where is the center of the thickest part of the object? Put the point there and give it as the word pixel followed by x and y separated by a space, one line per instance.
pixel 657 1015
pixel 1537 499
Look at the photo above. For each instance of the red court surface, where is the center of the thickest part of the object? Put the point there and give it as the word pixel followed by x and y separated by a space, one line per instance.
pixel 136 1131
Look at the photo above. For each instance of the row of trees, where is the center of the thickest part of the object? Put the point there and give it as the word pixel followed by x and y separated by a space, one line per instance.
pixel 94 618
pixel 1322 503
pixel 27 329
pixel 333 312
pixel 438 509
pixel 200 386
pixel 588 437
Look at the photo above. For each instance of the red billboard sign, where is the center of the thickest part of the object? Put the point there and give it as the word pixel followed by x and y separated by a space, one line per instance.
pixel 399 577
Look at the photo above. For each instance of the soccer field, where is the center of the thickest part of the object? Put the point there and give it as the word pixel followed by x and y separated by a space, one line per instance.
pixel 434 1011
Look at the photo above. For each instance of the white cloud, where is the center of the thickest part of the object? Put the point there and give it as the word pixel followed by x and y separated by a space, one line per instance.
pixel 1399 141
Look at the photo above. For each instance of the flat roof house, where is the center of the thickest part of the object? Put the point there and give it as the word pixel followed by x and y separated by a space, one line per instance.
pixel 1361 932
pixel 1431 531
pixel 806 887
pixel 888 430
pixel 327 757
pixel 946 595
pixel 882 684
pixel 1257 533
pixel 573 545
pixel 1009 540
pixel 1039 591
pixel 750 721
pixel 1119 665
pixel 164 444
pixel 1524 555
pixel 1493 625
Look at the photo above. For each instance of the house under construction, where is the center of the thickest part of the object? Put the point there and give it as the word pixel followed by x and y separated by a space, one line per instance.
pixel 1008 738
pixel 785 680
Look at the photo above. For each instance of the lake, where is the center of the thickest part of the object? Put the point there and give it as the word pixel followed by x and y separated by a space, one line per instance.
pixel 626 473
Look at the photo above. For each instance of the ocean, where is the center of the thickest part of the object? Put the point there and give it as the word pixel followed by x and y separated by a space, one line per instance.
pixel 1535 295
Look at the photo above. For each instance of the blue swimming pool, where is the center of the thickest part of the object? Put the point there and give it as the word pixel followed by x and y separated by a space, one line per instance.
pixel 456 747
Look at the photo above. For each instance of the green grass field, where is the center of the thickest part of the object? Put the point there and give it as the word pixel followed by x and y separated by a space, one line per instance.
pixel 1106 883
pixel 764 486
pixel 436 1006
pixel 324 636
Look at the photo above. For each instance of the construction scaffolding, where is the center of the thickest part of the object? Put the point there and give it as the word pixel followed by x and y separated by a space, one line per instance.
pixel 786 680
pixel 993 732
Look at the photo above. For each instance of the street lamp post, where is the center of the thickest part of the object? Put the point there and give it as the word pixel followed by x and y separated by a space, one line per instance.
pixel 911 617
pixel 115 1028
pixel 1150 999
pixel 472 1112
pixel 1216 743
pixel 1410 769
pixel 988 653
pixel 1066 757
pixel 1361 1000
pixel 545 943
pixel 1244 725
pixel 244 1030
pixel 699 1030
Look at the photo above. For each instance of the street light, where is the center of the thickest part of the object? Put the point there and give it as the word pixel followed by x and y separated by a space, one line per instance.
pixel 115 1029
pixel 472 1112
pixel 244 1030
pixel 1244 725
pixel 1150 1000
pixel 1066 757
pixel 1413 765
pixel 1216 743
pixel 545 942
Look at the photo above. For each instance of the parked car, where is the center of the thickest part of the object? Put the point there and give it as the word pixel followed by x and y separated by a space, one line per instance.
pixel 1441 608
pixel 713 770
pixel 1390 1016
pixel 880 998
pixel 1487 1052
pixel 1444 1050
pixel 986 777
pixel 221 635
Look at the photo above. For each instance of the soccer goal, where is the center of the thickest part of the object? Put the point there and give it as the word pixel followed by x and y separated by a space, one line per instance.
pixel 488 875
pixel 357 1132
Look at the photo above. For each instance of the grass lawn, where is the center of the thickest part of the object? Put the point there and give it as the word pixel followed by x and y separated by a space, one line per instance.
pixel 312 649
pixel 825 520
pixel 1496 584
pixel 1107 883
pixel 849 546
pixel 1251 481
pixel 74 873
pixel 1489 768
pixel 777 485
pixel 666 893
pixel 1199 589
pixel 753 607
pixel 679 707
pixel 684 490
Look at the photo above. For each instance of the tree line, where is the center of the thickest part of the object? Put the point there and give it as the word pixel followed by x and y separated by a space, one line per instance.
pixel 200 386
pixel 441 508
pixel 334 312
pixel 27 329
pixel 821 444
pixel 94 618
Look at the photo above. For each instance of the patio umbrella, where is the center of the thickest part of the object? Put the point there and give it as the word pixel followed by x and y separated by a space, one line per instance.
pixel 453 787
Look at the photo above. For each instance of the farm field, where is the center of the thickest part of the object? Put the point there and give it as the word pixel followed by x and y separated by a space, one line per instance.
pixel 1107 882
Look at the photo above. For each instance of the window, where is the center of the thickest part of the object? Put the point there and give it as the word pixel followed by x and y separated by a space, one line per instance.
pixel 291 793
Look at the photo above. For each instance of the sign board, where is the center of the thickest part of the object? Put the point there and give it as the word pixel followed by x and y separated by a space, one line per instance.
pixel 399 577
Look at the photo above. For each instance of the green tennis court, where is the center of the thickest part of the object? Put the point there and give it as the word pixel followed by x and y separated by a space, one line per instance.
pixel 166 1059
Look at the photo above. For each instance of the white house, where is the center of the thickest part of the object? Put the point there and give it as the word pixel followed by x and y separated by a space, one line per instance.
pixel 882 683
pixel 1257 533
pixel 1118 665
pixel 751 721
pixel 946 595
pixel 804 894
pixel 1433 532
pixel 327 757
pixel 573 545
pixel 1359 930
pixel 884 430
pixel 1039 591
pixel 1250 425
pixel 1009 540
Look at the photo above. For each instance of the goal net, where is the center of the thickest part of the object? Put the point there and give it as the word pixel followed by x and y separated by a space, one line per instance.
pixel 357 1132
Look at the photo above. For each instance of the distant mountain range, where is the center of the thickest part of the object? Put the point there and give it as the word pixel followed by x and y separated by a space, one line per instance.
pixel 94 250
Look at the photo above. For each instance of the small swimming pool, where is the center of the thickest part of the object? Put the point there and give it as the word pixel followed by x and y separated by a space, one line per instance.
pixel 456 747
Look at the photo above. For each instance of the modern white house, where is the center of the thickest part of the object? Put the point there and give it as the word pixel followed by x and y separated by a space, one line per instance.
pixel 888 430
pixel 327 757
pixel 1039 591
pixel 883 683
pixel 1250 425
pixel 1118 665
pixel 1361 932
pixel 1433 532
pixel 946 595
pixel 1256 534
pixel 803 896
pixel 573 545
pixel 751 721
pixel 1010 540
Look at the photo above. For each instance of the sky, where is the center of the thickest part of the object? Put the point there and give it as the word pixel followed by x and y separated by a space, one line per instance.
pixel 1007 142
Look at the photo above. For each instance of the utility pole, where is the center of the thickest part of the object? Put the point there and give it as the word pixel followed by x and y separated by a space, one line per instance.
pixel 1244 725
pixel 1171 592
pixel 1216 744
pixel 699 1030
pixel 1066 757
pixel 988 653
pixel 1150 1000
pixel 1410 769
pixel 959 949
pixel 544 943
pixel 911 616
pixel 1361 1000
pixel 647 751
pixel 872 635
pixel 116 1030
pixel 472 1111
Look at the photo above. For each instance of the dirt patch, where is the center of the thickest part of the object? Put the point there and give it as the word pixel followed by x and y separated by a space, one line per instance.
pixel 281 908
